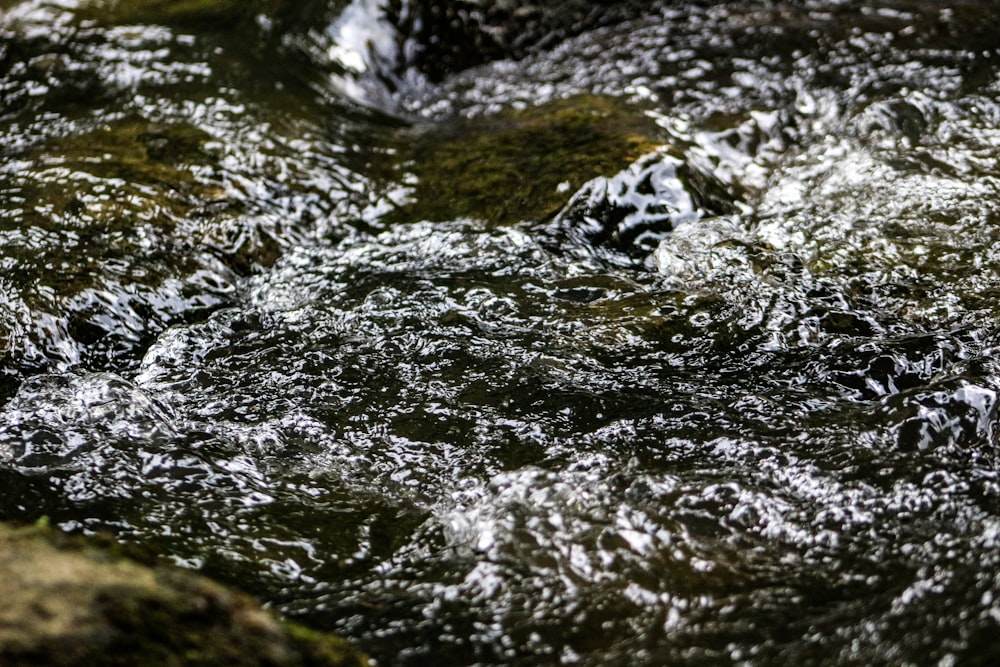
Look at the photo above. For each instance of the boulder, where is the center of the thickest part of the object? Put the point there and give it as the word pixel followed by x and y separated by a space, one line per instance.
pixel 65 601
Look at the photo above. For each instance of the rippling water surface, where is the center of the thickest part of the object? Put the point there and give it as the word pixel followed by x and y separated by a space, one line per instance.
pixel 663 336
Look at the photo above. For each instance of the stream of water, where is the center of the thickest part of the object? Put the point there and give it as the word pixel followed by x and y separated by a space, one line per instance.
pixel 664 335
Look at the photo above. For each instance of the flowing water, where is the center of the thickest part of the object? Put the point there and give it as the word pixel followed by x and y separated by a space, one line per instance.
pixel 663 336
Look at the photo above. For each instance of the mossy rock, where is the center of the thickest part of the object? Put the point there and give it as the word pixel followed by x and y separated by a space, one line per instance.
pixel 127 170
pixel 116 193
pixel 70 602
pixel 130 190
pixel 519 164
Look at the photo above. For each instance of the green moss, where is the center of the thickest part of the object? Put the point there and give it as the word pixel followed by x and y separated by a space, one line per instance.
pixel 519 164
pixel 116 192
pixel 118 175
pixel 319 648
pixel 138 152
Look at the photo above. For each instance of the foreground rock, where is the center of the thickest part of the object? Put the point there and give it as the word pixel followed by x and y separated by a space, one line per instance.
pixel 66 603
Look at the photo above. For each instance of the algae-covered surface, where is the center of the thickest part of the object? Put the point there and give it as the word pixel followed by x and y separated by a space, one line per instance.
pixel 506 333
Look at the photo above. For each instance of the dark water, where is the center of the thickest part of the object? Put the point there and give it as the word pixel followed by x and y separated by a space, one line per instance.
pixel 669 338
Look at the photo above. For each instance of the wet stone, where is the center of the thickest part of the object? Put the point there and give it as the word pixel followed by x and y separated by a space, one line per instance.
pixel 72 602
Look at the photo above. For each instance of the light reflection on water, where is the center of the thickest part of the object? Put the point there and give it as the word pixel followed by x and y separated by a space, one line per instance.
pixel 736 403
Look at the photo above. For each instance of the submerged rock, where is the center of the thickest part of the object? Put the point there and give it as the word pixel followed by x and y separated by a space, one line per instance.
pixel 147 164
pixel 519 164
pixel 112 239
pixel 68 602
